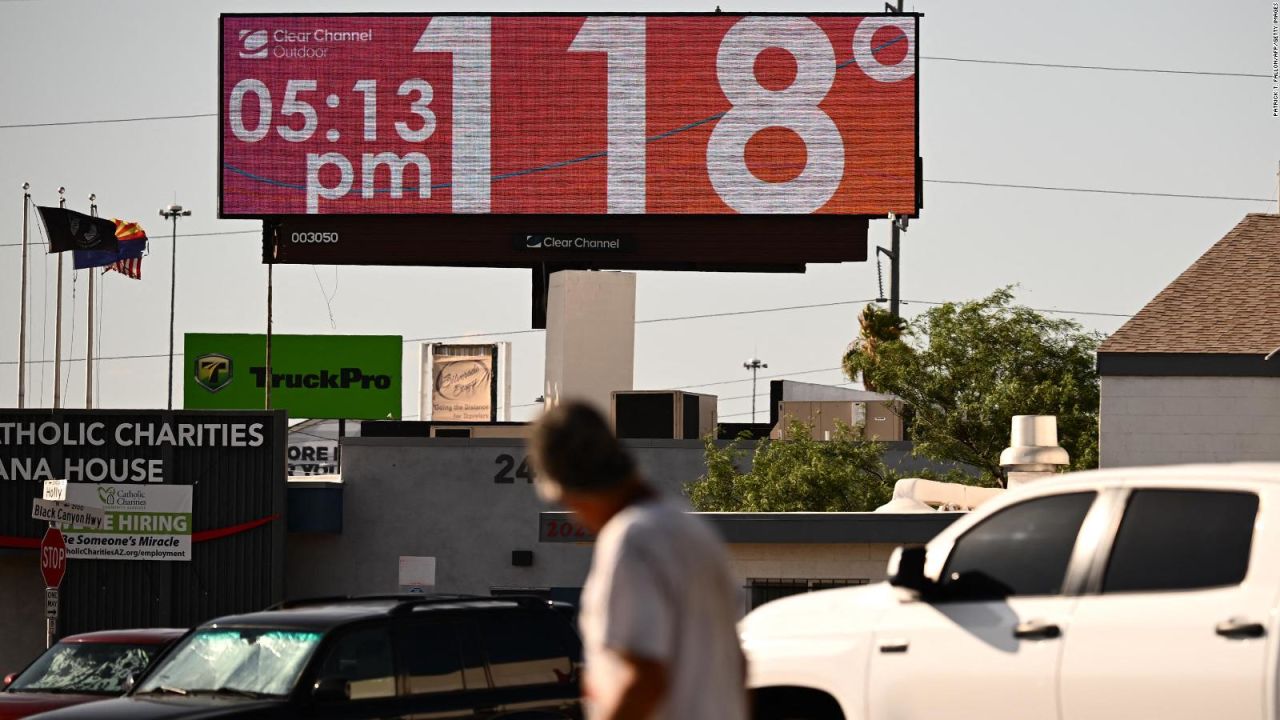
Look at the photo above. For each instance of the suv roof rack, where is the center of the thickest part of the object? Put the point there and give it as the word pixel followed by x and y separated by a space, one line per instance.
pixel 525 601
pixel 405 602
pixel 400 599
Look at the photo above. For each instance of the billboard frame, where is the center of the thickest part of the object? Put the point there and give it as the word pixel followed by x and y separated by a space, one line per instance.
pixel 222 17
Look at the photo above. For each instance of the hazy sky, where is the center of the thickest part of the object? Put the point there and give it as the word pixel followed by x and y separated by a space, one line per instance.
pixel 989 123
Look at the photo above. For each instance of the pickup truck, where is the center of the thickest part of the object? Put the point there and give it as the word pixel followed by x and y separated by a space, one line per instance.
pixel 1117 594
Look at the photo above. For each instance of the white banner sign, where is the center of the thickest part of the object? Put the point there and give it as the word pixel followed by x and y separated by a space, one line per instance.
pixel 142 522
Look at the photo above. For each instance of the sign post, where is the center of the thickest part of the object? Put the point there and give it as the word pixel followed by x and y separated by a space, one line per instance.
pixel 53 566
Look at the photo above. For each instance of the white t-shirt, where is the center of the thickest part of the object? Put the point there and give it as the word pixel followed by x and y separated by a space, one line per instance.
pixel 660 589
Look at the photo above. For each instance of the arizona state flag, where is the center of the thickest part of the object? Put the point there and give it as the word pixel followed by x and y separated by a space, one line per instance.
pixel 132 245
pixel 70 230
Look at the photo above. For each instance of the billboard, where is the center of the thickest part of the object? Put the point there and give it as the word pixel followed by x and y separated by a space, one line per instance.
pixel 312 376
pixel 568 115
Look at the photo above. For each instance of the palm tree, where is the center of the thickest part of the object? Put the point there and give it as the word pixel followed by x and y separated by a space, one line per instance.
pixel 876 326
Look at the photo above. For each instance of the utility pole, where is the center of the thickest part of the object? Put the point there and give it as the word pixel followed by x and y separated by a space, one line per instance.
pixel 754 366
pixel 267 399
pixel 88 351
pixel 173 212
pixel 899 224
pixel 57 333
pixel 22 315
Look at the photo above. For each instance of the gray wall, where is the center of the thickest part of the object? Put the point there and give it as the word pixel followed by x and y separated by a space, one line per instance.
pixel 1165 420
pixel 22 603
pixel 435 498
pixel 439 498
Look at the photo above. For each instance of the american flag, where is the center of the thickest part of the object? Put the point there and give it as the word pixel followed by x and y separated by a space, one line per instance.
pixel 132 243
pixel 131 267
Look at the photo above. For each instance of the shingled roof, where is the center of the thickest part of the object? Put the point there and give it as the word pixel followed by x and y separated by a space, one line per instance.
pixel 1227 302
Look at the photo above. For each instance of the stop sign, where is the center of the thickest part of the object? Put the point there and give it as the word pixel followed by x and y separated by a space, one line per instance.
pixel 53 558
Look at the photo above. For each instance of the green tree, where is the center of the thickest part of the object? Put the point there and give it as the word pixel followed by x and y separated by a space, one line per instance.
pixel 965 369
pixel 795 474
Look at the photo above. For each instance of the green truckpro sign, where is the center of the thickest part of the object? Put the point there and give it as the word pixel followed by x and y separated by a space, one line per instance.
pixel 354 377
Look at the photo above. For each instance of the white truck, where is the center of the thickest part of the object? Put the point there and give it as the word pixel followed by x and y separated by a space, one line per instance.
pixel 1134 594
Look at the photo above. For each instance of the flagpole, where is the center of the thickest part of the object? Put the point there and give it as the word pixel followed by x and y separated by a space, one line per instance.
pixel 88 353
pixel 22 322
pixel 173 212
pixel 57 334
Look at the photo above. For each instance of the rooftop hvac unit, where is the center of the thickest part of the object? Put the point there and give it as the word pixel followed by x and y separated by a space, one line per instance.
pixel 662 415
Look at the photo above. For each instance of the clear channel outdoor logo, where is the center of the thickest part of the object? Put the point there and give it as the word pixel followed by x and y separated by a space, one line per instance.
pixel 253 44
pixel 213 371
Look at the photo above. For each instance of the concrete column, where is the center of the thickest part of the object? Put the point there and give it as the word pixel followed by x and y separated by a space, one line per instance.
pixel 591 336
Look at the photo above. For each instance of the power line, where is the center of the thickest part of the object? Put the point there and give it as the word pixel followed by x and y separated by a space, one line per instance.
pixel 978 61
pixel 757 311
pixel 1054 311
pixel 1108 68
pixel 138 118
pixel 754 312
pixel 181 235
pixel 1132 193
pixel 728 382
pixel 762 377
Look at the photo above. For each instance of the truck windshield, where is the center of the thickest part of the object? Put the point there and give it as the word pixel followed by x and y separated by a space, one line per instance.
pixel 240 662
pixel 91 668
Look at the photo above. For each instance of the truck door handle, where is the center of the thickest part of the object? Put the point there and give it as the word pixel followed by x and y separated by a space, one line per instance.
pixel 1238 629
pixel 894 646
pixel 1037 630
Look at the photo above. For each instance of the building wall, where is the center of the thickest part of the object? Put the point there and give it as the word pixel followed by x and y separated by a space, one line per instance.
pixel 591 336
pixel 22 601
pixel 441 498
pixel 1166 420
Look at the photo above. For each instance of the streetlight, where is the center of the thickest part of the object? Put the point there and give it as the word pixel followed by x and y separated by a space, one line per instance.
pixel 173 212
pixel 754 366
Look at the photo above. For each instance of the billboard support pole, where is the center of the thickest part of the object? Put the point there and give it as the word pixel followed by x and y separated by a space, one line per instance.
pixel 270 268
pixel 342 433
pixel 895 248
pixel 899 224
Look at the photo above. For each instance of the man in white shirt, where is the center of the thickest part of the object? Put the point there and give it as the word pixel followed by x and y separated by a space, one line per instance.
pixel 660 604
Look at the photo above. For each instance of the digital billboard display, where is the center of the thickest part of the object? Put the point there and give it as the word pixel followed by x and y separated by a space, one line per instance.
pixel 569 115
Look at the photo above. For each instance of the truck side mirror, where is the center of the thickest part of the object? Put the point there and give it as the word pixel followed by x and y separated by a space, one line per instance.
pixel 331 689
pixel 906 568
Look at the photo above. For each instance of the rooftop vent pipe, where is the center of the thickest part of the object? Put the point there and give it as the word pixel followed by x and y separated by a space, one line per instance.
pixel 1033 451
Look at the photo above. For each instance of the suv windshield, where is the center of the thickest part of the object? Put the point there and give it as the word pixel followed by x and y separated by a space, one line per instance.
pixel 242 662
pixel 93 668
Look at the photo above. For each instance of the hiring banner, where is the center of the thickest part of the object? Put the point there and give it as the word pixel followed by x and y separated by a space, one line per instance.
pixel 142 522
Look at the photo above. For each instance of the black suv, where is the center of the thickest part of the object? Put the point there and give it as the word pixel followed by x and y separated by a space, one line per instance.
pixel 416 656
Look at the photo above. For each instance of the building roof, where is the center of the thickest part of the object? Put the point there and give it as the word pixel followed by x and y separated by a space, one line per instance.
pixel 1225 303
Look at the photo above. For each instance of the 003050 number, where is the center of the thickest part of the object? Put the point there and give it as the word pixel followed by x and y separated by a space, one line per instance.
pixel 622 39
